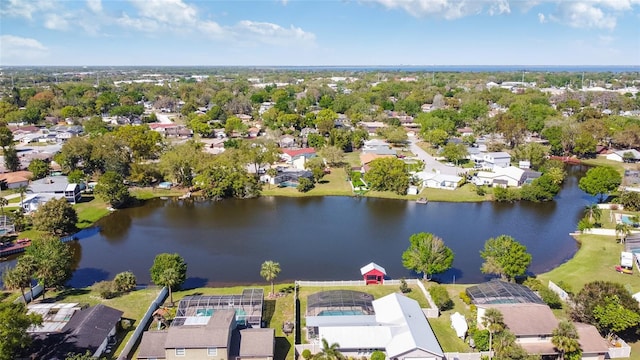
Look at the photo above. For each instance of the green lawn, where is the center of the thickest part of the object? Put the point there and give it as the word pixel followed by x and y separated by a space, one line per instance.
pixel 90 209
pixel 466 193
pixel 133 304
pixel 333 184
pixel 602 161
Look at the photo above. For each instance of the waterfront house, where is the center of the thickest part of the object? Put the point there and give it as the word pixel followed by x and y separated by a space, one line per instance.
pixel 629 155
pixel 32 202
pixel 223 327
pixel 510 176
pixel 71 328
pixel 56 185
pixel 437 180
pixel 373 273
pixel 394 324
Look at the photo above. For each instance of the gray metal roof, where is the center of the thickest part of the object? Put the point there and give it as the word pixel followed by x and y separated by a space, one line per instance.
pixel 502 292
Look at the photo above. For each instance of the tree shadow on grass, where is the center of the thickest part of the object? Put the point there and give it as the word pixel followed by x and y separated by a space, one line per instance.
pixel 194 283
pixel 69 292
pixel 323 181
pixel 282 348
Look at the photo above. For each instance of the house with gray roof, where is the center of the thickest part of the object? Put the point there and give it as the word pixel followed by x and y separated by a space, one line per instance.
pixel 208 329
pixel 58 185
pixel 629 155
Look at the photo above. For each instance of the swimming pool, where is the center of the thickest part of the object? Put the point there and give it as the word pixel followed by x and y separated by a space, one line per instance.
pixel 340 312
pixel 288 184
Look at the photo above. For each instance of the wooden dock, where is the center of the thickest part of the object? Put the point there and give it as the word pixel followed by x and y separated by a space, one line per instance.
pixel 19 246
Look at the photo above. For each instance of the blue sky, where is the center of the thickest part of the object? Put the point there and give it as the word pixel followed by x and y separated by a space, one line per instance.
pixel 320 32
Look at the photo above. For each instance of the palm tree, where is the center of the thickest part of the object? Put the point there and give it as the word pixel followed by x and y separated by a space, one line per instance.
pixel 22 190
pixel 494 322
pixel 3 202
pixel 624 230
pixel 593 212
pixel 269 271
pixel 169 278
pixel 329 352
pixel 565 338
pixel 16 279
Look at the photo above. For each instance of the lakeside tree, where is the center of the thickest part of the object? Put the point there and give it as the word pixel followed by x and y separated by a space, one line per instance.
pixel 15 279
pixel 269 271
pixel 565 339
pixel 111 188
pixel 14 322
pixel 125 281
pixel 427 254
pixel 55 217
pixel 53 262
pixel 169 270
pixel 388 174
pixel 600 181
pixel 593 212
pixel 601 294
pixel 504 256
pixel 179 162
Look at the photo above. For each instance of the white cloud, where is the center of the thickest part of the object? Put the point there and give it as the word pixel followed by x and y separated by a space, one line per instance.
pixel 448 9
pixel 270 33
pixel 584 15
pixel 95 6
pixel 140 24
pixel 24 8
pixel 167 11
pixel 16 50
pixel 56 22
pixel 542 18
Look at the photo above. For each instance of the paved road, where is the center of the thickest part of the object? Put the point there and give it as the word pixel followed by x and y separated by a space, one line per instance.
pixel 430 163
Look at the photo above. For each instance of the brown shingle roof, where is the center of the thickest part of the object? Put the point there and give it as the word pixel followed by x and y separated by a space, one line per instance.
pixel 152 345
pixel 215 334
pixel 590 340
pixel 257 342
pixel 16 176
pixel 527 319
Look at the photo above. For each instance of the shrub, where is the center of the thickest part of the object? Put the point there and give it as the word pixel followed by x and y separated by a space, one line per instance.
pixel 481 191
pixel 305 185
pixel 550 298
pixel 106 289
pixel 441 297
pixel 404 288
pixel 287 289
pixel 465 298
pixel 306 353
pixel 481 340
pixel 533 284
pixel 125 281
pixel 378 355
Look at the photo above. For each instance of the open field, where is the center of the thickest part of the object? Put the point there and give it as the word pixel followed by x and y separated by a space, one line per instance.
pixel 333 184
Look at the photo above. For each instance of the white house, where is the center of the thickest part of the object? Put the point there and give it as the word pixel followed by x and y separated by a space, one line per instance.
pixel 494 160
pixel 438 181
pixel 620 155
pixel 510 176
pixel 397 327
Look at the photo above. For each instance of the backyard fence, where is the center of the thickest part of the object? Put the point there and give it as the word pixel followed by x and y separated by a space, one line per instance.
pixel 27 295
pixel 142 325
pixel 466 356
pixel 564 296
pixel 331 283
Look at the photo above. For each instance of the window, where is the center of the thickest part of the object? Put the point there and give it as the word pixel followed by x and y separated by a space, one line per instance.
pixel 180 352
pixel 212 351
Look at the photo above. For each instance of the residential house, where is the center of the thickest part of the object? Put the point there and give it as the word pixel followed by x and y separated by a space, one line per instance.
pixel 16 179
pixel 264 107
pixel 629 155
pixel 32 202
pixel 372 127
pixel 70 328
pixel 290 176
pixel 437 180
pixel 290 155
pixel 221 327
pixel 494 160
pixel 287 141
pixel 394 324
pixel 56 185
pixel 253 132
pixel 506 177
pixel 378 147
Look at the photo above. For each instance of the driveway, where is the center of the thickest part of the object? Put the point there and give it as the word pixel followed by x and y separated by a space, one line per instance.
pixel 430 163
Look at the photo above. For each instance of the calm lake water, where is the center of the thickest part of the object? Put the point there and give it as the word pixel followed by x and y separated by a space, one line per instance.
pixel 320 238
